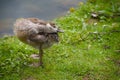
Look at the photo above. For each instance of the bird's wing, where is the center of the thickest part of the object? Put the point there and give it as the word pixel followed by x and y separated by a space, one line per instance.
pixel 42 26
pixel 38 38
pixel 37 32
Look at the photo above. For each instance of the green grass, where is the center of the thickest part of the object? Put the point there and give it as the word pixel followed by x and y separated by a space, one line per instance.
pixel 89 49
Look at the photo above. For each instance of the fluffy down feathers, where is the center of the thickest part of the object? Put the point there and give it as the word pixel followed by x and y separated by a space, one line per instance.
pixel 36 32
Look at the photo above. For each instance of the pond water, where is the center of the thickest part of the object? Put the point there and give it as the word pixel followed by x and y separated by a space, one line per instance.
pixel 10 10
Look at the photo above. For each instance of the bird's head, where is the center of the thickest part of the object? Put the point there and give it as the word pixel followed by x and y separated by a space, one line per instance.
pixel 53 31
pixel 54 28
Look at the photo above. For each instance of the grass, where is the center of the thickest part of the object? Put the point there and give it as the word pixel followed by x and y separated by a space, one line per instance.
pixel 88 50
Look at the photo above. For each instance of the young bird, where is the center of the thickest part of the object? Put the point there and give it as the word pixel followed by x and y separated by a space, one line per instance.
pixel 37 33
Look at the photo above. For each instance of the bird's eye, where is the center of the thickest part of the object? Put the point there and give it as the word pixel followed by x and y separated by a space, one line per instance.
pixel 52 24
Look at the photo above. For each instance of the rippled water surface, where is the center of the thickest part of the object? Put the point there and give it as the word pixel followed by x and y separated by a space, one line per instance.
pixel 44 9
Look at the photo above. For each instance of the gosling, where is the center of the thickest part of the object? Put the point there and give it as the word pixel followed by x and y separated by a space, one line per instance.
pixel 37 33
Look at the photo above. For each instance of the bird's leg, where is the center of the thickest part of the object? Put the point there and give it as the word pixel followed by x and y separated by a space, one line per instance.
pixel 40 56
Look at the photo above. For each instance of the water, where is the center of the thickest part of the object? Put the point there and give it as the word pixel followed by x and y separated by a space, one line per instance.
pixel 10 10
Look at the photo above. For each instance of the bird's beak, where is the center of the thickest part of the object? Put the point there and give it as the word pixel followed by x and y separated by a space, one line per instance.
pixel 61 31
